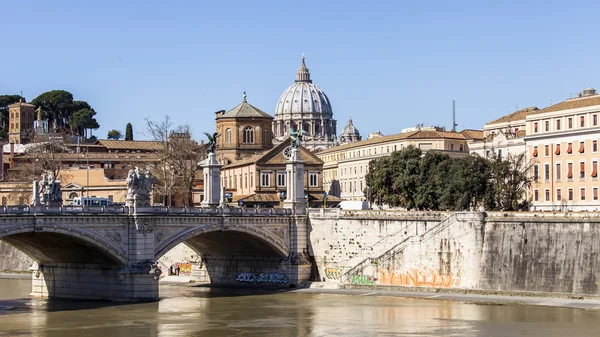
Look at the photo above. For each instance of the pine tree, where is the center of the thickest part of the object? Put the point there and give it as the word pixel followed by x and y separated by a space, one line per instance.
pixel 129 132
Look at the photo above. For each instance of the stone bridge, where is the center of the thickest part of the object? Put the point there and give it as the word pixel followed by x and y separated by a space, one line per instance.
pixel 109 252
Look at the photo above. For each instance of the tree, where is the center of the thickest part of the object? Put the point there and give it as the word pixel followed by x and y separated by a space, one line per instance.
pixel 177 160
pixel 114 134
pixel 5 101
pixel 431 180
pixel 129 132
pixel 510 181
pixel 82 120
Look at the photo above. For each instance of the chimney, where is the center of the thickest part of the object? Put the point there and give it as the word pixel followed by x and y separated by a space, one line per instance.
pixel 12 149
pixel 219 113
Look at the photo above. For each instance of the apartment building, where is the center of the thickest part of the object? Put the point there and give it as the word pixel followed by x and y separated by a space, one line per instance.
pixel 562 140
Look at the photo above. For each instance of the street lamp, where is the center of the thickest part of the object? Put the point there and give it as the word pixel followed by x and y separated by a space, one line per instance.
pixel 369 196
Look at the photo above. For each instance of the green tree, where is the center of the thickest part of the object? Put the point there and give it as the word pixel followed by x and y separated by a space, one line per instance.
pixel 510 181
pixel 129 132
pixel 5 101
pixel 431 180
pixel 114 134
pixel 57 106
pixel 83 120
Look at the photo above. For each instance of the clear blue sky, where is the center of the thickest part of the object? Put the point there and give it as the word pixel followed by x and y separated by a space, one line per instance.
pixel 387 64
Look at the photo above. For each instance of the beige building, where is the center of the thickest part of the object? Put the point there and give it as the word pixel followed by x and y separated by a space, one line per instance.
pixel 262 178
pixel 20 116
pixel 345 166
pixel 562 139
pixel 503 136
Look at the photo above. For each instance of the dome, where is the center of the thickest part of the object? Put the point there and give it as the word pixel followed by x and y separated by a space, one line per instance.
pixel 350 133
pixel 303 96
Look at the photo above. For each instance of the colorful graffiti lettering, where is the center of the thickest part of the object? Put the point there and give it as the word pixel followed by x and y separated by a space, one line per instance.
pixel 185 269
pixel 418 278
pixel 333 273
pixel 362 280
pixel 262 278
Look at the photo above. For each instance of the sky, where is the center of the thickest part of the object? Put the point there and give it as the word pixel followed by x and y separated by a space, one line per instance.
pixel 386 64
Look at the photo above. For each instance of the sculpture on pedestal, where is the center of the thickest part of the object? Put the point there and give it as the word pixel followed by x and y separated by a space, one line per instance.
pixel 296 137
pixel 139 186
pixel 49 190
pixel 212 142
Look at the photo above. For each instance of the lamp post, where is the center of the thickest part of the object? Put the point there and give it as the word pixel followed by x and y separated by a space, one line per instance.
pixel 369 196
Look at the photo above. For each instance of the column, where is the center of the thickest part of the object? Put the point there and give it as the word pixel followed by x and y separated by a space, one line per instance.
pixel 212 177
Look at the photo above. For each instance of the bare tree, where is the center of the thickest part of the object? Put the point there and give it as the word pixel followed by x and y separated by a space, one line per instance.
pixel 176 167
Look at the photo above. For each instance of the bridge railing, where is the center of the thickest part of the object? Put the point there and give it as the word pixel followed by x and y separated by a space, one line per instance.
pixel 42 209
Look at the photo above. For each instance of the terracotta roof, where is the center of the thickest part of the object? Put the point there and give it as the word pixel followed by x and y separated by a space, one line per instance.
pixel 574 103
pixel 275 156
pixel 14 105
pixel 515 116
pixel 93 156
pixel 258 197
pixel 130 145
pixel 319 197
pixel 245 109
pixel 472 134
pixel 375 140
pixel 431 134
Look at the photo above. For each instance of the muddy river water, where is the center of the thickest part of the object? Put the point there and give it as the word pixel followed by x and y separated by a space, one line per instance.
pixel 189 310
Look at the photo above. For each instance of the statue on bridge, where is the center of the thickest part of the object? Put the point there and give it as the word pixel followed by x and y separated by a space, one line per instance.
pixel 139 186
pixel 212 142
pixel 296 137
pixel 49 190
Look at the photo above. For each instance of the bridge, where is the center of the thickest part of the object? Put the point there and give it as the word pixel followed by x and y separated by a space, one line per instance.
pixel 110 252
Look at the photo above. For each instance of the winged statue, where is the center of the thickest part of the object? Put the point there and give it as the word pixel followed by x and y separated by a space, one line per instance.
pixel 212 141
pixel 296 137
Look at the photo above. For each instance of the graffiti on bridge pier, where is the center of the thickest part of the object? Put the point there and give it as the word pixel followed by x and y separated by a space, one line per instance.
pixel 274 278
pixel 419 278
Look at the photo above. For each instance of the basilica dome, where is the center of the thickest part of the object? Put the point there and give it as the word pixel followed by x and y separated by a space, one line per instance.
pixel 350 133
pixel 303 105
pixel 303 96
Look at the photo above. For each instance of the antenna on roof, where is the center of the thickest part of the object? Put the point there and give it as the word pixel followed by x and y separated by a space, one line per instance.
pixel 454 125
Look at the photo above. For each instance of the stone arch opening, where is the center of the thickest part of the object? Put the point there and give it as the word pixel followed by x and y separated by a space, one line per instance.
pixel 63 245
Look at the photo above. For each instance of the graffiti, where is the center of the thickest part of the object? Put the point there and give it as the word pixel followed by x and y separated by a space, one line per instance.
pixel 333 273
pixel 262 278
pixel 419 278
pixel 362 280
pixel 185 269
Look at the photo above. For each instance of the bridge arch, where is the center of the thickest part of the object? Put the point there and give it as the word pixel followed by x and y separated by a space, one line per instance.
pixel 270 239
pixel 60 243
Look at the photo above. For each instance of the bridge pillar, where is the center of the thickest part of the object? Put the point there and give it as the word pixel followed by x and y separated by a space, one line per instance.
pixel 212 181
pixel 295 184
pixel 299 261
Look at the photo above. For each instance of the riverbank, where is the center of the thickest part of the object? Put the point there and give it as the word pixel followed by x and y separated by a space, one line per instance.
pixel 473 297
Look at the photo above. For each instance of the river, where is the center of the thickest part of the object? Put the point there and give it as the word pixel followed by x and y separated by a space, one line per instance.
pixel 191 310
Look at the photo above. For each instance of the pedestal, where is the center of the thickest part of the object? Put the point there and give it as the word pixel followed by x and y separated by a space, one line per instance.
pixel 295 184
pixel 212 181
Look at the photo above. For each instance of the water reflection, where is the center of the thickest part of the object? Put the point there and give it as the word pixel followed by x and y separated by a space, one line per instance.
pixel 187 310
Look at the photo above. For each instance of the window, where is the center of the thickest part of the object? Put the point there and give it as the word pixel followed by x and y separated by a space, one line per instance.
pixel 546 150
pixel 582 121
pixel 547 195
pixel 558 124
pixel 570 122
pixel 228 136
pixel 557 173
pixel 547 172
pixel 547 126
pixel 536 195
pixel 313 179
pixel 558 194
pixel 266 136
pixel 536 173
pixel 535 153
pixel 281 179
pixel 594 120
pixel 3 201
pixel 595 193
pixel 246 180
pixel 570 170
pixel 582 170
pixel 557 151
pixel 451 147
pixel 582 194
pixel 248 135
pixel 110 198
pixel 265 179
pixel 595 169
pixel 499 153
pixel 535 127
pixel 570 194
pixel 581 147
pixel 594 146
pixel 461 148
pixel 569 148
